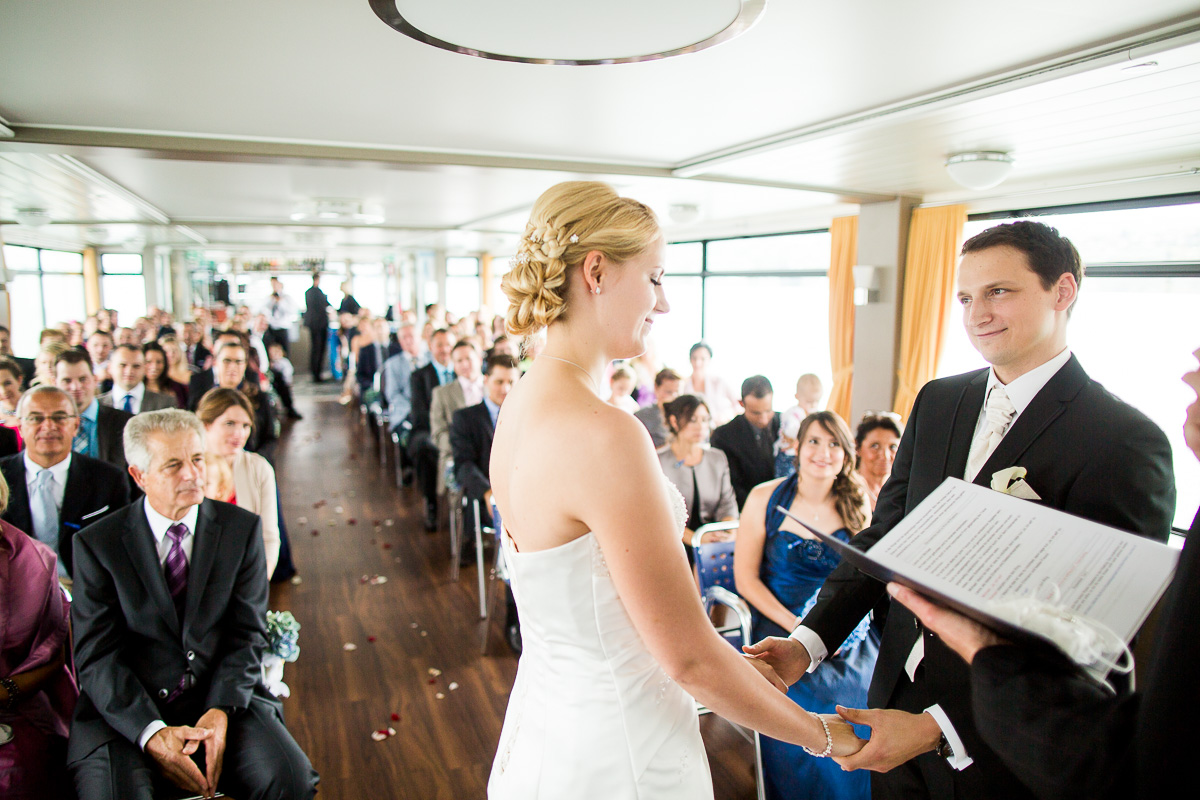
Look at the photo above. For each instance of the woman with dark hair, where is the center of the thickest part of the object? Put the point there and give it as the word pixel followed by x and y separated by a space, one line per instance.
pixel 37 692
pixel 700 473
pixel 11 377
pixel 780 568
pixel 875 445
pixel 721 397
pixel 157 379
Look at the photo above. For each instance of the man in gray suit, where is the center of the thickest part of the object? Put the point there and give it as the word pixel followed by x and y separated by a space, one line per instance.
pixel 127 366
pixel 169 619
pixel 465 390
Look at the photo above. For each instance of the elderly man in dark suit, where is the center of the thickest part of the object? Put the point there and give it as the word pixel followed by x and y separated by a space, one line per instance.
pixel 100 427
pixel 748 440
pixel 170 626
pixel 129 393
pixel 1085 452
pixel 422 450
pixel 54 492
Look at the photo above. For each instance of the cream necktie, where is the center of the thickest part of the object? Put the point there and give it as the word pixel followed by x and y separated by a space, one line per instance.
pixel 1000 412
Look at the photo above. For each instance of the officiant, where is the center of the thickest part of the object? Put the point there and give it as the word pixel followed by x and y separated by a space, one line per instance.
pixel 1084 452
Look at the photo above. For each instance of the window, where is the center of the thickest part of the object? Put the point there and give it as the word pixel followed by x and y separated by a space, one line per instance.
pixel 1134 326
pixel 122 285
pixel 45 287
pixel 462 285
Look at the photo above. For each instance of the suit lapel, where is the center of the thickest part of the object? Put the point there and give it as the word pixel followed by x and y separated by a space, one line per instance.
pixel 966 416
pixel 73 492
pixel 205 543
pixel 20 512
pixel 1047 406
pixel 139 543
pixel 488 427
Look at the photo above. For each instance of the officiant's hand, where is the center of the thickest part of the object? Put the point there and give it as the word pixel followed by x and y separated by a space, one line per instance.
pixel 1191 426
pixel 896 737
pixel 962 635
pixel 765 670
pixel 787 657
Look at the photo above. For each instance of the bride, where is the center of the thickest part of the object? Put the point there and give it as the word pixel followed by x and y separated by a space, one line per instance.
pixel 616 642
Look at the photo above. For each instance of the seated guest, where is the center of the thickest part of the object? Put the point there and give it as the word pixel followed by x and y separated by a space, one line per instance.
pixel 26 364
pixel 465 390
pixel 699 473
pixel 808 399
pixel 875 445
pixel 228 422
pixel 177 365
pixel 749 439
pixel 11 378
pixel 100 427
pixel 194 351
pixel 37 692
pixel 44 362
pixel 421 448
pixel 158 377
pixel 52 491
pixel 620 387
pixel 172 576
pixel 205 379
pixel 715 390
pixel 282 373
pixel 472 429
pixel 100 347
pixel 127 366
pixel 666 389
pixel 397 375
pixel 230 365
pixel 780 568
pixel 370 351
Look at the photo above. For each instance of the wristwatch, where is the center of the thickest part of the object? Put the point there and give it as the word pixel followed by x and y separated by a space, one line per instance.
pixel 943 748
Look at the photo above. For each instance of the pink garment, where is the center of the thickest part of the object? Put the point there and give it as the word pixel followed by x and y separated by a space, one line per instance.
pixel 33 633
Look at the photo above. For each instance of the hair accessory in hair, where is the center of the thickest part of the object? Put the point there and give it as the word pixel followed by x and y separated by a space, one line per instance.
pixel 574 238
pixel 522 258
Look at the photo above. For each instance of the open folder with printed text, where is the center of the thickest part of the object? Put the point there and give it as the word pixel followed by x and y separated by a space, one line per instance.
pixel 969 547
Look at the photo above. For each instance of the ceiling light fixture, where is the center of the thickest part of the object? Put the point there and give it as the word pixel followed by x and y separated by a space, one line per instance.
pixel 981 169
pixel 571 32
pixel 32 217
pixel 684 213
pixel 338 210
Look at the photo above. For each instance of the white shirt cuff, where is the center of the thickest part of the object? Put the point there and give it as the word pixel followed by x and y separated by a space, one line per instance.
pixel 960 760
pixel 148 731
pixel 812 643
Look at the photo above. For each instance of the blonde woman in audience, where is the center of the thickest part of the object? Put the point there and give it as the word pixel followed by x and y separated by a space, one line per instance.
pixel 780 568
pixel 228 421
pixel 616 641
pixel 177 363
pixel 721 397
pixel 620 387
pixel 44 362
pixel 700 473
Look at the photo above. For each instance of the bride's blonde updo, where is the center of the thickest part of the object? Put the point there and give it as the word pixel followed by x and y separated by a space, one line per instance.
pixel 568 221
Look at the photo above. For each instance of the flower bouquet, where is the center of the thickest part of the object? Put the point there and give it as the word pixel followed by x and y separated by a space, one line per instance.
pixel 283 633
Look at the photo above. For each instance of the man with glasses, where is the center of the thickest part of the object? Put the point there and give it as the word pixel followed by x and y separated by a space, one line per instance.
pixel 52 491
pixel 100 427
pixel 206 379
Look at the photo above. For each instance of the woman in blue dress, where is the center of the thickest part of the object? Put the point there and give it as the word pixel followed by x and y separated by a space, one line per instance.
pixel 780 568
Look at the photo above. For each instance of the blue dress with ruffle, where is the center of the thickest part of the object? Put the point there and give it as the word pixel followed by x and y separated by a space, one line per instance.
pixel 794 569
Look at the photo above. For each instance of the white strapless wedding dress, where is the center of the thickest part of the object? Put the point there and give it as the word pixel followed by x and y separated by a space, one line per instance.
pixel 592 716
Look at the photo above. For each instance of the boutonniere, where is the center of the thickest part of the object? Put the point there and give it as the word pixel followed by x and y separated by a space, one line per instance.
pixel 1012 481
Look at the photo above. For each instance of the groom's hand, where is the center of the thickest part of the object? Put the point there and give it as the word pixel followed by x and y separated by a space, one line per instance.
pixel 896 737
pixel 787 657
pixel 765 670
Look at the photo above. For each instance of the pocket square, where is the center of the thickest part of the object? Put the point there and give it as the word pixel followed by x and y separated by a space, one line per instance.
pixel 94 513
pixel 1012 481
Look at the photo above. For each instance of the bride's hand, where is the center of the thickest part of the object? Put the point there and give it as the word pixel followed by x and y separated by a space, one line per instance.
pixel 767 672
pixel 845 740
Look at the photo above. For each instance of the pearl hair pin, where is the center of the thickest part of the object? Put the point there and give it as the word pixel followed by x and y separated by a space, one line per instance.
pixel 574 238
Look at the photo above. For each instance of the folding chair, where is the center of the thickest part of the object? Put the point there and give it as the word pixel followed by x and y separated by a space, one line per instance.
pixel 714 570
pixel 496 575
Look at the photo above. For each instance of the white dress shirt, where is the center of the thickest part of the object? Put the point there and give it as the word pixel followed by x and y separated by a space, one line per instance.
pixel 1021 391
pixel 58 471
pixel 138 393
pixel 472 391
pixel 158 526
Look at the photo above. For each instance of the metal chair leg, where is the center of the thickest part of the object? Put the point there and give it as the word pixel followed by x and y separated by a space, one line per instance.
pixel 483 609
pixel 455 526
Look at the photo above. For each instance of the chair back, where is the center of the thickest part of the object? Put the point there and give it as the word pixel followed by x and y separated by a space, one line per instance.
pixel 714 560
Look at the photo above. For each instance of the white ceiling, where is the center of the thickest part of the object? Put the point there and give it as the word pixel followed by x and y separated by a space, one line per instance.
pixel 223 116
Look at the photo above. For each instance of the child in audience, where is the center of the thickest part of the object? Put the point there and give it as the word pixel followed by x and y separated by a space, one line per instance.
pixel 621 385
pixel 280 363
pixel 808 399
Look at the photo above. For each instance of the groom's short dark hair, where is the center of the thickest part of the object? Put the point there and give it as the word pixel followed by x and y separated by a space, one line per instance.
pixel 1048 252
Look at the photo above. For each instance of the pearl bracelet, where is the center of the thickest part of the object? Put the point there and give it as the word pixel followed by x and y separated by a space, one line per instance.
pixel 828 739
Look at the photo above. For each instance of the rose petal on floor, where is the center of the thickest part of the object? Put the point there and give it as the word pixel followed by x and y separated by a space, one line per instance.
pixel 349 646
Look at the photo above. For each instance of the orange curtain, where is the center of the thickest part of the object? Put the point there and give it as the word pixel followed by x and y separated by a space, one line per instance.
pixel 844 252
pixel 933 241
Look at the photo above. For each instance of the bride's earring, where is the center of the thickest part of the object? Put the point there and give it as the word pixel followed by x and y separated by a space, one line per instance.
pixel 596 290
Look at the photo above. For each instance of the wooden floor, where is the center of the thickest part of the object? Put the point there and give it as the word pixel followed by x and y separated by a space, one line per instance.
pixel 414 637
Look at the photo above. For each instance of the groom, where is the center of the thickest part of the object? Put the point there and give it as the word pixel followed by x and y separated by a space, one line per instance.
pixel 1086 453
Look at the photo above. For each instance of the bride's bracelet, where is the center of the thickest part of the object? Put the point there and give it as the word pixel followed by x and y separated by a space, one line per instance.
pixel 828 739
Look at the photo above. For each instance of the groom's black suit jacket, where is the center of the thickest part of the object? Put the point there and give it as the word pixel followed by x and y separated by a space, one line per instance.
pixel 130 649
pixel 1086 452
